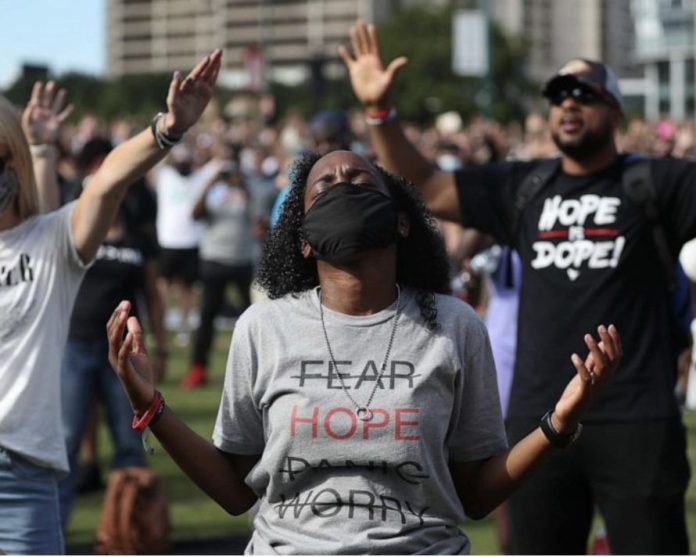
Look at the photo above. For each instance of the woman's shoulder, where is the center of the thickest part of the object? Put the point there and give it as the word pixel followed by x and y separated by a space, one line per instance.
pixel 277 310
pixel 456 312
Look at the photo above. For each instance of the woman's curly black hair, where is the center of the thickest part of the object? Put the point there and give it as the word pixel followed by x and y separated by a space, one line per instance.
pixel 421 261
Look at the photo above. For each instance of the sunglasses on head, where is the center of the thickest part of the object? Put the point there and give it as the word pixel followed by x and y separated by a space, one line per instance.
pixel 579 93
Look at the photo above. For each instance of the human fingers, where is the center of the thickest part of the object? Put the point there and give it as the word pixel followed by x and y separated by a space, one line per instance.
pixel 210 70
pixel 35 98
pixel 614 334
pixel 357 37
pixel 114 330
pixel 58 101
pixel 199 68
pixel 134 329
pixel 585 375
pixel 174 86
pixel 65 113
pixel 395 65
pixel 606 344
pixel 345 56
pixel 372 40
pixel 47 94
pixel 598 357
pixel 124 352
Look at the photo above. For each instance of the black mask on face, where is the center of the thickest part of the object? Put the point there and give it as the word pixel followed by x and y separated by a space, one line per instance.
pixel 347 219
pixel 183 168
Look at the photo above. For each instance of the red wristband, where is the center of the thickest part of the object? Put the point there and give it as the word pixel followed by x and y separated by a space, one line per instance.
pixel 379 117
pixel 155 409
pixel 379 113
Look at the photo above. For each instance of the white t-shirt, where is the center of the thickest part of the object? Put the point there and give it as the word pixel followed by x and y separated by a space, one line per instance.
pixel 40 273
pixel 176 196
pixel 329 483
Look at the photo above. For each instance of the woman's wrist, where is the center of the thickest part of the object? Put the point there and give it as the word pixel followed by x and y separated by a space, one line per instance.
pixel 42 150
pixel 379 115
pixel 163 134
pixel 144 418
pixel 562 427
pixel 168 128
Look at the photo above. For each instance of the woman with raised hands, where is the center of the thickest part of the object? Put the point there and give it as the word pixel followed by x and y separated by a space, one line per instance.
pixel 360 404
pixel 43 258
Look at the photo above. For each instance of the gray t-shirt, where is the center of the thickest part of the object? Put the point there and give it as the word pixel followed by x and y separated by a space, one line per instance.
pixel 330 483
pixel 227 237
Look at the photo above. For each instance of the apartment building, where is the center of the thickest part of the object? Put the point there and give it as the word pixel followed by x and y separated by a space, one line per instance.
pixel 558 30
pixel 263 39
pixel 666 49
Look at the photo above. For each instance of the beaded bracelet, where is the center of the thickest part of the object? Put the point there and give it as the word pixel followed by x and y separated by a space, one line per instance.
pixel 164 140
pixel 379 117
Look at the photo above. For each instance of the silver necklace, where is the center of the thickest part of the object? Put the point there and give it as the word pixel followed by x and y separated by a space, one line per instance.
pixel 363 412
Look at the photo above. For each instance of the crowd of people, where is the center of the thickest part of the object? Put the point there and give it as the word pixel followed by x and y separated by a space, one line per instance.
pixel 349 348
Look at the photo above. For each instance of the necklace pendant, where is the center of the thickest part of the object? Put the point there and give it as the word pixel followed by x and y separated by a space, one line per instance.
pixel 364 414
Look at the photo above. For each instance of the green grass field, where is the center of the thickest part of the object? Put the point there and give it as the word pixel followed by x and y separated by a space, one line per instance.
pixel 195 516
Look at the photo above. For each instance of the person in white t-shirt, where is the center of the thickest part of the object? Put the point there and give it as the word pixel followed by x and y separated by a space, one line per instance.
pixel 43 258
pixel 360 405
pixel 178 186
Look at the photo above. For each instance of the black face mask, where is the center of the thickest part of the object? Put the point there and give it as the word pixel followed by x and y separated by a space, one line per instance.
pixel 347 219
pixel 184 168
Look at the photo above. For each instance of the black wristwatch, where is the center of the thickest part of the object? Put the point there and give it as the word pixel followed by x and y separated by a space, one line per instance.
pixel 559 440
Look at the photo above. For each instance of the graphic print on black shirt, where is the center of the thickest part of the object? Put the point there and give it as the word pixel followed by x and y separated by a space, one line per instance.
pixel 588 258
pixel 578 233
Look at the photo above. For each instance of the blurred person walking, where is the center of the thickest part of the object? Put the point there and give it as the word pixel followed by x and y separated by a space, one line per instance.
pixel 43 258
pixel 178 186
pixel 588 256
pixel 227 253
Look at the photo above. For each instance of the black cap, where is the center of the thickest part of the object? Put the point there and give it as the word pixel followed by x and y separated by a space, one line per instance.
pixel 599 77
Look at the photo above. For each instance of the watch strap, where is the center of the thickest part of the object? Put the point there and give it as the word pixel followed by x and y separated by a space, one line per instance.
pixel 559 440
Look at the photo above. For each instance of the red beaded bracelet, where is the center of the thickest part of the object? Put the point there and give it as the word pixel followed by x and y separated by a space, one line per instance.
pixel 379 117
pixel 151 415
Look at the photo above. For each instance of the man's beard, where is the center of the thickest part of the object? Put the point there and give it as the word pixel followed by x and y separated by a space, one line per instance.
pixel 587 145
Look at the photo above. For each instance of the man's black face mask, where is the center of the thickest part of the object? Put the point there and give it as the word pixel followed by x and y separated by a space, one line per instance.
pixel 347 219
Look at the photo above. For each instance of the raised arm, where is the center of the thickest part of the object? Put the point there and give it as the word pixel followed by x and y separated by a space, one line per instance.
pixel 483 485
pixel 371 83
pixel 218 474
pixel 98 204
pixel 41 121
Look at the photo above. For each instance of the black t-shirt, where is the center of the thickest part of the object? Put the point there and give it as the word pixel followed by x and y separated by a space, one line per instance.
pixel 118 273
pixel 588 258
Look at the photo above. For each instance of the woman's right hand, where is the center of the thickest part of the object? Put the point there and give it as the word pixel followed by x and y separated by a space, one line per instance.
pixel 129 358
pixel 44 114
pixel 371 81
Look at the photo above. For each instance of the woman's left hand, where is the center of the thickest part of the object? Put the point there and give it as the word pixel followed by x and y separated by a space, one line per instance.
pixel 187 98
pixel 592 376
pixel 44 114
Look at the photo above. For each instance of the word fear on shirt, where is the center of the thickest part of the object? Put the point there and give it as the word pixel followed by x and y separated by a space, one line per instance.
pixel 355 375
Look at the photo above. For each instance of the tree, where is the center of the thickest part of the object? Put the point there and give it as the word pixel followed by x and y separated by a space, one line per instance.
pixel 427 85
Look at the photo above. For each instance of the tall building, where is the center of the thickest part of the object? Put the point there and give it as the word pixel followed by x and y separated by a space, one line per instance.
pixel 279 39
pixel 666 48
pixel 557 31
